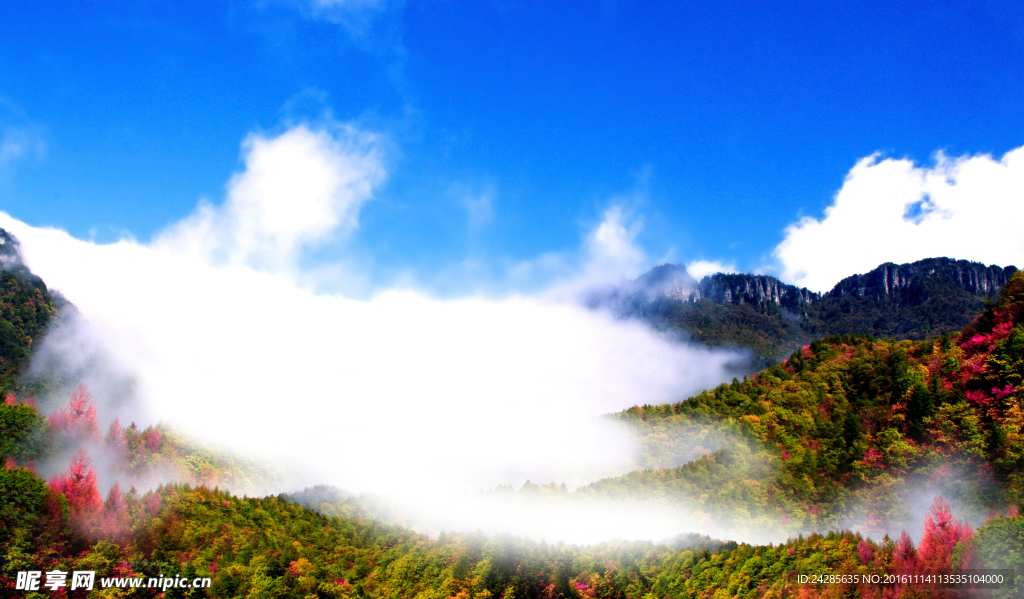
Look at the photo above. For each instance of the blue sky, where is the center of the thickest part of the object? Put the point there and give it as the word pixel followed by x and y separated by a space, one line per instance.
pixel 506 129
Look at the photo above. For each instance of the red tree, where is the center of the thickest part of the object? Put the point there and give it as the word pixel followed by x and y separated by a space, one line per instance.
pixel 115 523
pixel 115 435
pixel 906 556
pixel 78 418
pixel 941 534
pixel 78 484
pixel 153 438
pixel 864 552
pixel 153 504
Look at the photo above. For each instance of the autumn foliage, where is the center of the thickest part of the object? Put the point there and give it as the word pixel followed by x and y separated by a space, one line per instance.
pixel 77 420
pixel 941 534
pixel 78 485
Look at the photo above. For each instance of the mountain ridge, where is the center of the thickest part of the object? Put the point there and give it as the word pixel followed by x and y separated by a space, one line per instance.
pixel 916 300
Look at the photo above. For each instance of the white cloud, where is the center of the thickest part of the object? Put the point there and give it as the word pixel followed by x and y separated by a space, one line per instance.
pixel 612 250
pixel 403 392
pixel 895 211
pixel 298 189
pixel 609 256
pixel 699 269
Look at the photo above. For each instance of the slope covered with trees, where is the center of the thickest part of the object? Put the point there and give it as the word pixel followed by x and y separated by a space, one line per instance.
pixel 26 308
pixel 843 431
pixel 271 547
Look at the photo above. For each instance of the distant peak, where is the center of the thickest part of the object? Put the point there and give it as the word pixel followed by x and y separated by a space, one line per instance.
pixel 889 278
pixel 665 280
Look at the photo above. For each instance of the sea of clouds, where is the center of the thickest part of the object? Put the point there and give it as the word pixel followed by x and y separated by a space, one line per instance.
pixel 221 339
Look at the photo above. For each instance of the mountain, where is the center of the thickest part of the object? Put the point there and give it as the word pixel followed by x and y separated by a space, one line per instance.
pixel 844 432
pixel 919 300
pixel 847 423
pixel 26 308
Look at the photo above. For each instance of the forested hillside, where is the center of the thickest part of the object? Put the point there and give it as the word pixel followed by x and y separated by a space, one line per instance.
pixel 26 308
pixel 844 430
pixel 270 547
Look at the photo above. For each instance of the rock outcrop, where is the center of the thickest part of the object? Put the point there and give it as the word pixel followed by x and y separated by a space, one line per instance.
pixel 756 290
pixel 889 283
pixel 911 283
pixel 904 301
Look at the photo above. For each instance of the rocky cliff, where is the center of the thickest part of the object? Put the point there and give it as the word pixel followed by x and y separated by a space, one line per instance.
pixel 756 290
pixel 912 283
pixel 889 283
pixel 906 301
